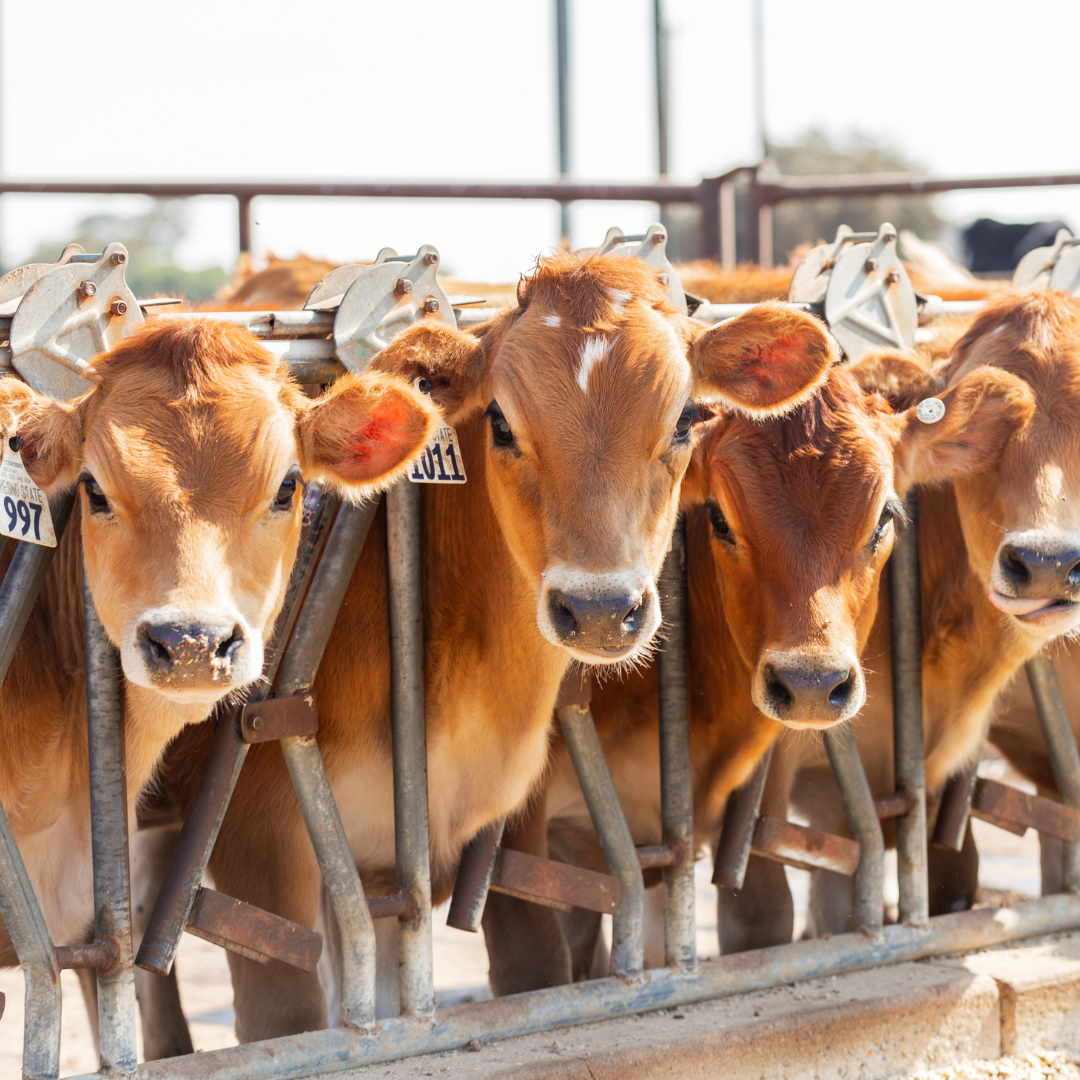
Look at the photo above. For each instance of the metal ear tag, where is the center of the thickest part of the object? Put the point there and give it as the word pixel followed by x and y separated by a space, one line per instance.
pixel 930 410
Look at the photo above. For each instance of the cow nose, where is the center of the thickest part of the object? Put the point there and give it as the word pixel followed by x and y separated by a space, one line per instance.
pixel 1051 571
pixel 801 692
pixel 188 651
pixel 599 621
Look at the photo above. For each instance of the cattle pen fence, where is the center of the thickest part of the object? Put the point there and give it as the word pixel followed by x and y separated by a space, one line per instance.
pixel 724 217
pixel 332 539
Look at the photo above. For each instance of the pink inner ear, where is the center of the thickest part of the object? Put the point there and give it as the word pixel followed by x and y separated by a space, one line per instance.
pixel 380 445
pixel 782 351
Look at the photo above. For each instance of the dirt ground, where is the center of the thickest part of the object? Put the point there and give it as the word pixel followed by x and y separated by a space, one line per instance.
pixel 1009 864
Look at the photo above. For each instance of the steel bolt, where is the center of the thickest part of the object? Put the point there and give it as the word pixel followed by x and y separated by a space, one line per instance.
pixel 118 307
pixel 664 279
pixel 431 258
pixel 87 289
pixel 431 304
pixel 893 276
pixel 870 265
pixel 889 237
pixel 256 723
pixel 118 258
pixel 659 238
pixel 403 286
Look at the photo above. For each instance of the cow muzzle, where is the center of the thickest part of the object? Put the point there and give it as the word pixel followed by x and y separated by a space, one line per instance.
pixel 1036 580
pixel 600 618
pixel 809 689
pixel 195 655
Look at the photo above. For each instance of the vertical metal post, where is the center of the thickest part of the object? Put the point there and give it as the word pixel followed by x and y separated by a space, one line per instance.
pixel 298 669
pixel 753 216
pixel 862 817
pixel 1060 741
pixel 740 824
pixel 403 534
pixel 710 237
pixel 628 922
pixel 758 31
pixel 904 598
pixel 562 53
pixel 728 228
pixel 660 56
pixel 243 211
pixel 109 830
pixel 765 235
pixel 676 792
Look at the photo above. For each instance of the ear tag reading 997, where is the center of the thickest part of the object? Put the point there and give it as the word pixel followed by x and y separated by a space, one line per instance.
pixel 441 462
pixel 24 507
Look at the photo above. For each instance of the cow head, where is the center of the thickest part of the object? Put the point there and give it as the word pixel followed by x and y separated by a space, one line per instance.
pixel 1021 519
pixel 587 389
pixel 190 453
pixel 804 510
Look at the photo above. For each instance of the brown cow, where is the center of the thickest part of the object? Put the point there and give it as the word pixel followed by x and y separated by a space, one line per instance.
pixel 792 526
pixel 998 553
pixel 190 452
pixel 574 414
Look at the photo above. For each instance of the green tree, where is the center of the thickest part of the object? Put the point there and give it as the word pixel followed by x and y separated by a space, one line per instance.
pixel 817 153
pixel 151 239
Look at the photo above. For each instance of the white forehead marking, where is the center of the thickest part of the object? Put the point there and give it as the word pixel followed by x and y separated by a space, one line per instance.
pixel 619 299
pixel 551 320
pixel 998 329
pixel 593 350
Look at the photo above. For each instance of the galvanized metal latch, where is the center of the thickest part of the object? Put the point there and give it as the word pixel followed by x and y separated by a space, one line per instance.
pixel 1055 267
pixel 650 247
pixel 279 718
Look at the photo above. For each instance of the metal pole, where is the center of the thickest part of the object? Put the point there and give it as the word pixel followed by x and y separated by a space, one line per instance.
pixel 405 566
pixel 904 598
pixel 740 824
pixel 660 50
pixel 628 922
pixel 298 669
pixel 676 792
pixel 758 7
pixel 728 227
pixel 1060 741
pixel 109 831
pixel 562 48
pixel 243 210
pixel 765 236
pixel 862 817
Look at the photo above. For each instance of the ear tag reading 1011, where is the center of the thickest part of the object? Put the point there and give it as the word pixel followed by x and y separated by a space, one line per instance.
pixel 441 462
pixel 24 507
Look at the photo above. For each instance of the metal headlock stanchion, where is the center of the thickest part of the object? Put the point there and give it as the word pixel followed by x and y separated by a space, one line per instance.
pixel 676 792
pixel 905 601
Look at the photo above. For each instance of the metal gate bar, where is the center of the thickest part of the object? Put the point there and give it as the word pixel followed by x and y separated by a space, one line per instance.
pixel 321 1052
pixel 847 767
pixel 676 791
pixel 109 838
pixel 1060 741
pixel 628 922
pixel 405 569
pixel 905 606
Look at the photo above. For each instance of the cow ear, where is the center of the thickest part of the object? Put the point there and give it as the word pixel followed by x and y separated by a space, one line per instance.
pixel 764 362
pixel 455 363
pixel 362 433
pixel 982 411
pixel 50 431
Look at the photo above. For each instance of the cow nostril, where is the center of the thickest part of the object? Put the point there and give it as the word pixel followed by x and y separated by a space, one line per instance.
pixel 840 694
pixel 158 651
pixel 231 643
pixel 562 616
pixel 776 689
pixel 631 622
pixel 1014 568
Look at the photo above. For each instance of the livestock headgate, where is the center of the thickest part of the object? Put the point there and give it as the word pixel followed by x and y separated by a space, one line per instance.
pixel 318 343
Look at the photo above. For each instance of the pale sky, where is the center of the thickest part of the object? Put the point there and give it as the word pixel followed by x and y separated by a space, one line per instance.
pixel 332 90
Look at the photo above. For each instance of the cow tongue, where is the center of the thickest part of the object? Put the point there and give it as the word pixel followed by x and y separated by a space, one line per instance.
pixel 1017 605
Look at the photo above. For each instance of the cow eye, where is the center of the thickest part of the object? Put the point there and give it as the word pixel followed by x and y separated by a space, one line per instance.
pixel 284 497
pixel 500 430
pixel 888 515
pixel 690 416
pixel 95 497
pixel 721 529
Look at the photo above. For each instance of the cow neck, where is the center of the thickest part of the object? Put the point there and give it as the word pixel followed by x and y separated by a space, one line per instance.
pixel 728 734
pixel 970 652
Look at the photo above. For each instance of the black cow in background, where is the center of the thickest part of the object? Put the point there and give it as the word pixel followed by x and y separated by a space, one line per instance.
pixel 996 246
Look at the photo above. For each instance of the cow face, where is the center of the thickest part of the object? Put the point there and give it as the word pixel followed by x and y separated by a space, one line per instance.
pixel 190 454
pixel 587 390
pixel 804 511
pixel 1021 519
